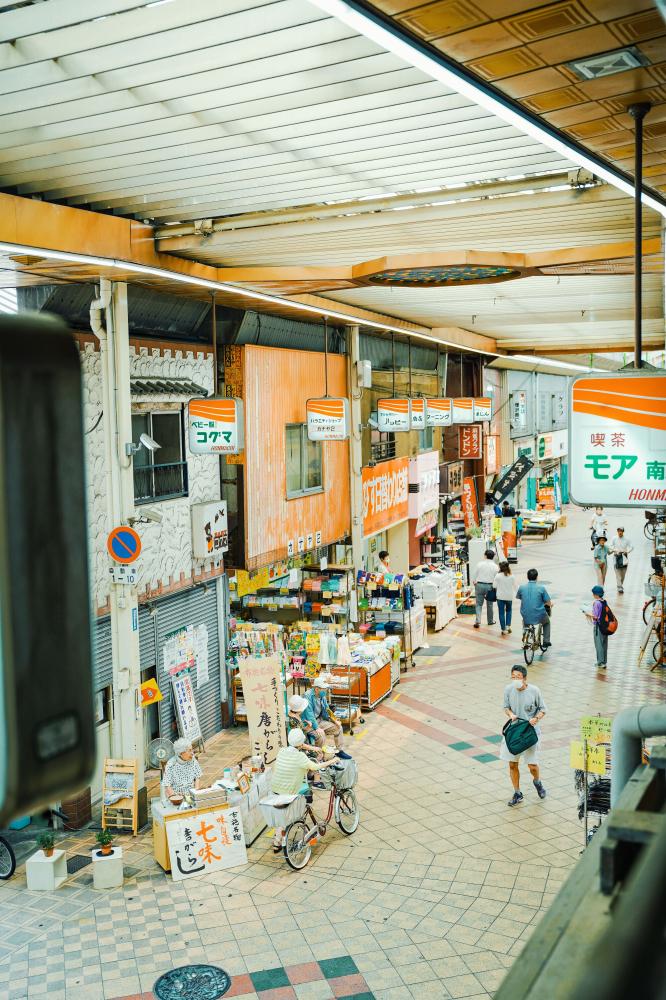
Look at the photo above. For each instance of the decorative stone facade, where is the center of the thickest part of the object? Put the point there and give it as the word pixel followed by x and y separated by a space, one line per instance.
pixel 166 563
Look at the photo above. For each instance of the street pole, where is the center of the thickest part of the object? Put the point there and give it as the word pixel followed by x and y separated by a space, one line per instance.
pixel 638 113
pixel 355 447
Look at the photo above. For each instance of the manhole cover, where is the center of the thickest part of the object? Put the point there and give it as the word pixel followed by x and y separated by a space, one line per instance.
pixel 77 861
pixel 192 982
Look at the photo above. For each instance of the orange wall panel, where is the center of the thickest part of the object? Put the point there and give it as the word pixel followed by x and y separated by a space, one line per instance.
pixel 277 384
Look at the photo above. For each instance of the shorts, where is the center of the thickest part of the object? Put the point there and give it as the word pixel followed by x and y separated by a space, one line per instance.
pixel 529 756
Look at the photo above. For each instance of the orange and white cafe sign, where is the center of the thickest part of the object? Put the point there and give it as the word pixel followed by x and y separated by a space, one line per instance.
pixel 385 495
pixel 328 419
pixel 215 426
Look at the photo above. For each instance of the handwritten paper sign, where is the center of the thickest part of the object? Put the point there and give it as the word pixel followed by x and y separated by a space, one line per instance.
pixel 596 758
pixel 264 697
pixel 186 707
pixel 208 842
pixel 596 729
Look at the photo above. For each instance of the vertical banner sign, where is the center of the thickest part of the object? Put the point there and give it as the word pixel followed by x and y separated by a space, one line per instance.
pixel 463 411
pixel 491 453
pixel 512 477
pixel 470 441
pixel 206 842
pixel 385 495
pixel 393 415
pixel 617 440
pixel 469 502
pixel 418 410
pixel 186 709
pixel 215 426
pixel 439 412
pixel 518 411
pixel 328 419
pixel 264 697
pixel 483 408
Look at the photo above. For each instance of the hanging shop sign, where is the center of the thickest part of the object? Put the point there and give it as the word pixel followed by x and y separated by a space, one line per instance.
pixel 482 408
pixel 512 477
pixel 470 505
pixel 210 536
pixel 518 411
pixel 470 441
pixel 385 495
pixel 418 411
pixel 617 440
pixel 423 483
pixel 491 454
pixel 451 478
pixel 206 842
pixel 463 411
pixel 264 697
pixel 559 408
pixel 393 415
pixel 215 426
pixel 439 412
pixel 328 419
pixel 425 521
pixel 594 761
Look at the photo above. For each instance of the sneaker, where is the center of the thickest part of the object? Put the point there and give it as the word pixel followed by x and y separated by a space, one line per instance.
pixel 503 632
pixel 515 799
pixel 547 644
pixel 344 756
pixel 477 624
pixel 509 629
pixel 620 590
pixel 541 791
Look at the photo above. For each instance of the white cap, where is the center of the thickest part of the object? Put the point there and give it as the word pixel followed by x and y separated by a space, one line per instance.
pixel 296 737
pixel 181 745
pixel 321 682
pixel 296 703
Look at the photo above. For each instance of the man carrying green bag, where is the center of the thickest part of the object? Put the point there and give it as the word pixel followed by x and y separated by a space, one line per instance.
pixel 525 707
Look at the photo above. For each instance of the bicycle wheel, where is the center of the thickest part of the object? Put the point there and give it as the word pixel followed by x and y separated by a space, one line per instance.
pixel 648 608
pixel 656 652
pixel 528 646
pixel 7 860
pixel 539 640
pixel 347 812
pixel 297 847
pixel 649 530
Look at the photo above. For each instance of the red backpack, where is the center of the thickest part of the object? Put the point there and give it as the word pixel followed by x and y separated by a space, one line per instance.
pixel 608 621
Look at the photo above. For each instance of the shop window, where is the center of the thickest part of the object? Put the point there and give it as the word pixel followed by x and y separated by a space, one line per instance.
pixel 161 474
pixel 426 439
pixel 304 462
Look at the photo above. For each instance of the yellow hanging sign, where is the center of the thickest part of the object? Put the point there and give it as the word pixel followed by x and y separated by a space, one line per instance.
pixel 596 758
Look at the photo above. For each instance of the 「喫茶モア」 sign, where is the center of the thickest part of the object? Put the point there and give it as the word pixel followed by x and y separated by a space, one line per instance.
pixel 215 426
pixel 617 440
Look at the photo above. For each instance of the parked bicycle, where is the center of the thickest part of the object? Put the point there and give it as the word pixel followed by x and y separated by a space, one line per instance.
pixel 653 521
pixel 7 859
pixel 532 642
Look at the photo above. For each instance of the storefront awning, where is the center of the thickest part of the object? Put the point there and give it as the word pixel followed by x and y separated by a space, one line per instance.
pixel 166 387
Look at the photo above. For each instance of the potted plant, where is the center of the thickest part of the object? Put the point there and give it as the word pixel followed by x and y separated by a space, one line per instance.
pixel 46 840
pixel 104 839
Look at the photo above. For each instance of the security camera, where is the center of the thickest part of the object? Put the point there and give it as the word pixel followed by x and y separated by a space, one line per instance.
pixel 150 444
pixel 152 515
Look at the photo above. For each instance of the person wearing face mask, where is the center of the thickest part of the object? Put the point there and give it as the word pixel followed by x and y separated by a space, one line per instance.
pixel 523 701
pixel 384 562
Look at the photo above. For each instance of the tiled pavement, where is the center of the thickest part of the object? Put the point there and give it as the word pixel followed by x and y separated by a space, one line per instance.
pixel 439 889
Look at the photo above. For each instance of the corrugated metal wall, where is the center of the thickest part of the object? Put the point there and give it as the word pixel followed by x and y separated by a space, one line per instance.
pixel 102 657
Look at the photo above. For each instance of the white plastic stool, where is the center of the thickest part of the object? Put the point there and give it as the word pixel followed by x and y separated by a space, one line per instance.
pixel 45 874
pixel 107 869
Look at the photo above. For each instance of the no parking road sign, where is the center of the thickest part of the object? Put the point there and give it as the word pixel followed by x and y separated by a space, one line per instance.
pixel 123 544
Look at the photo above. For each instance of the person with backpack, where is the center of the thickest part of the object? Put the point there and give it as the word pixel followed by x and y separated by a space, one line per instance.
pixel 605 624
pixel 525 708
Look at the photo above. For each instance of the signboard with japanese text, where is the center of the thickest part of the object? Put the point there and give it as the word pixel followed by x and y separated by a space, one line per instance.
pixel 328 419
pixel 470 506
pixel 617 440
pixel 210 538
pixel 596 757
pixel 418 412
pixel 425 521
pixel 215 426
pixel 206 842
pixel 186 708
pixel 518 411
pixel 385 495
pixel 510 479
pixel 424 483
pixel 393 415
pixel 470 441
pixel 463 411
pixel 596 728
pixel 451 478
pixel 439 412
pixel 482 408
pixel 491 453
pixel 264 697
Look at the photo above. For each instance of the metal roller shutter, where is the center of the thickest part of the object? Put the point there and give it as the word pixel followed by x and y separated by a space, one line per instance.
pixel 147 651
pixel 102 654
pixel 192 607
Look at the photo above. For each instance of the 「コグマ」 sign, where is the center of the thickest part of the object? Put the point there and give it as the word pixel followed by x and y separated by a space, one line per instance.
pixel 215 426
pixel 617 440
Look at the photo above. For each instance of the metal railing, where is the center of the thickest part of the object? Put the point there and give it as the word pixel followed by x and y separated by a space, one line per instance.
pixel 162 482
pixel 381 450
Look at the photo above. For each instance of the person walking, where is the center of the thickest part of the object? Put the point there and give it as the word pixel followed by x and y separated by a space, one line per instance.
pixel 600 638
pixel 505 589
pixel 600 555
pixel 523 701
pixel 598 525
pixel 620 547
pixel 520 522
pixel 535 604
pixel 483 579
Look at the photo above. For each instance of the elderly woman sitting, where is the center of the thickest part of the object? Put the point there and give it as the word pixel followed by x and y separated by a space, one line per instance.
pixel 182 772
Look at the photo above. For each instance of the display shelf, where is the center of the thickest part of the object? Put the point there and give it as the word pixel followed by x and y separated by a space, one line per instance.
pixel 384 597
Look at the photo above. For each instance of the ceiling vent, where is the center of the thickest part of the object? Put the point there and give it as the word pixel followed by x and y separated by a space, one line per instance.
pixel 608 63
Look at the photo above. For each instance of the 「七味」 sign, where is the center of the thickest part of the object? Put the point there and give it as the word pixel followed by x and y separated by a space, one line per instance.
pixel 328 419
pixel 617 440
pixel 215 426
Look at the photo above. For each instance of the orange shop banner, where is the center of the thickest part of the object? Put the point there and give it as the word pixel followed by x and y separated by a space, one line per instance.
pixel 385 495
pixel 470 441
pixel 469 502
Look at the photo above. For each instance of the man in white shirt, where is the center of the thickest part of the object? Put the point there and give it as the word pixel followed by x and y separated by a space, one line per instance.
pixel 620 547
pixel 483 578
pixel 598 525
